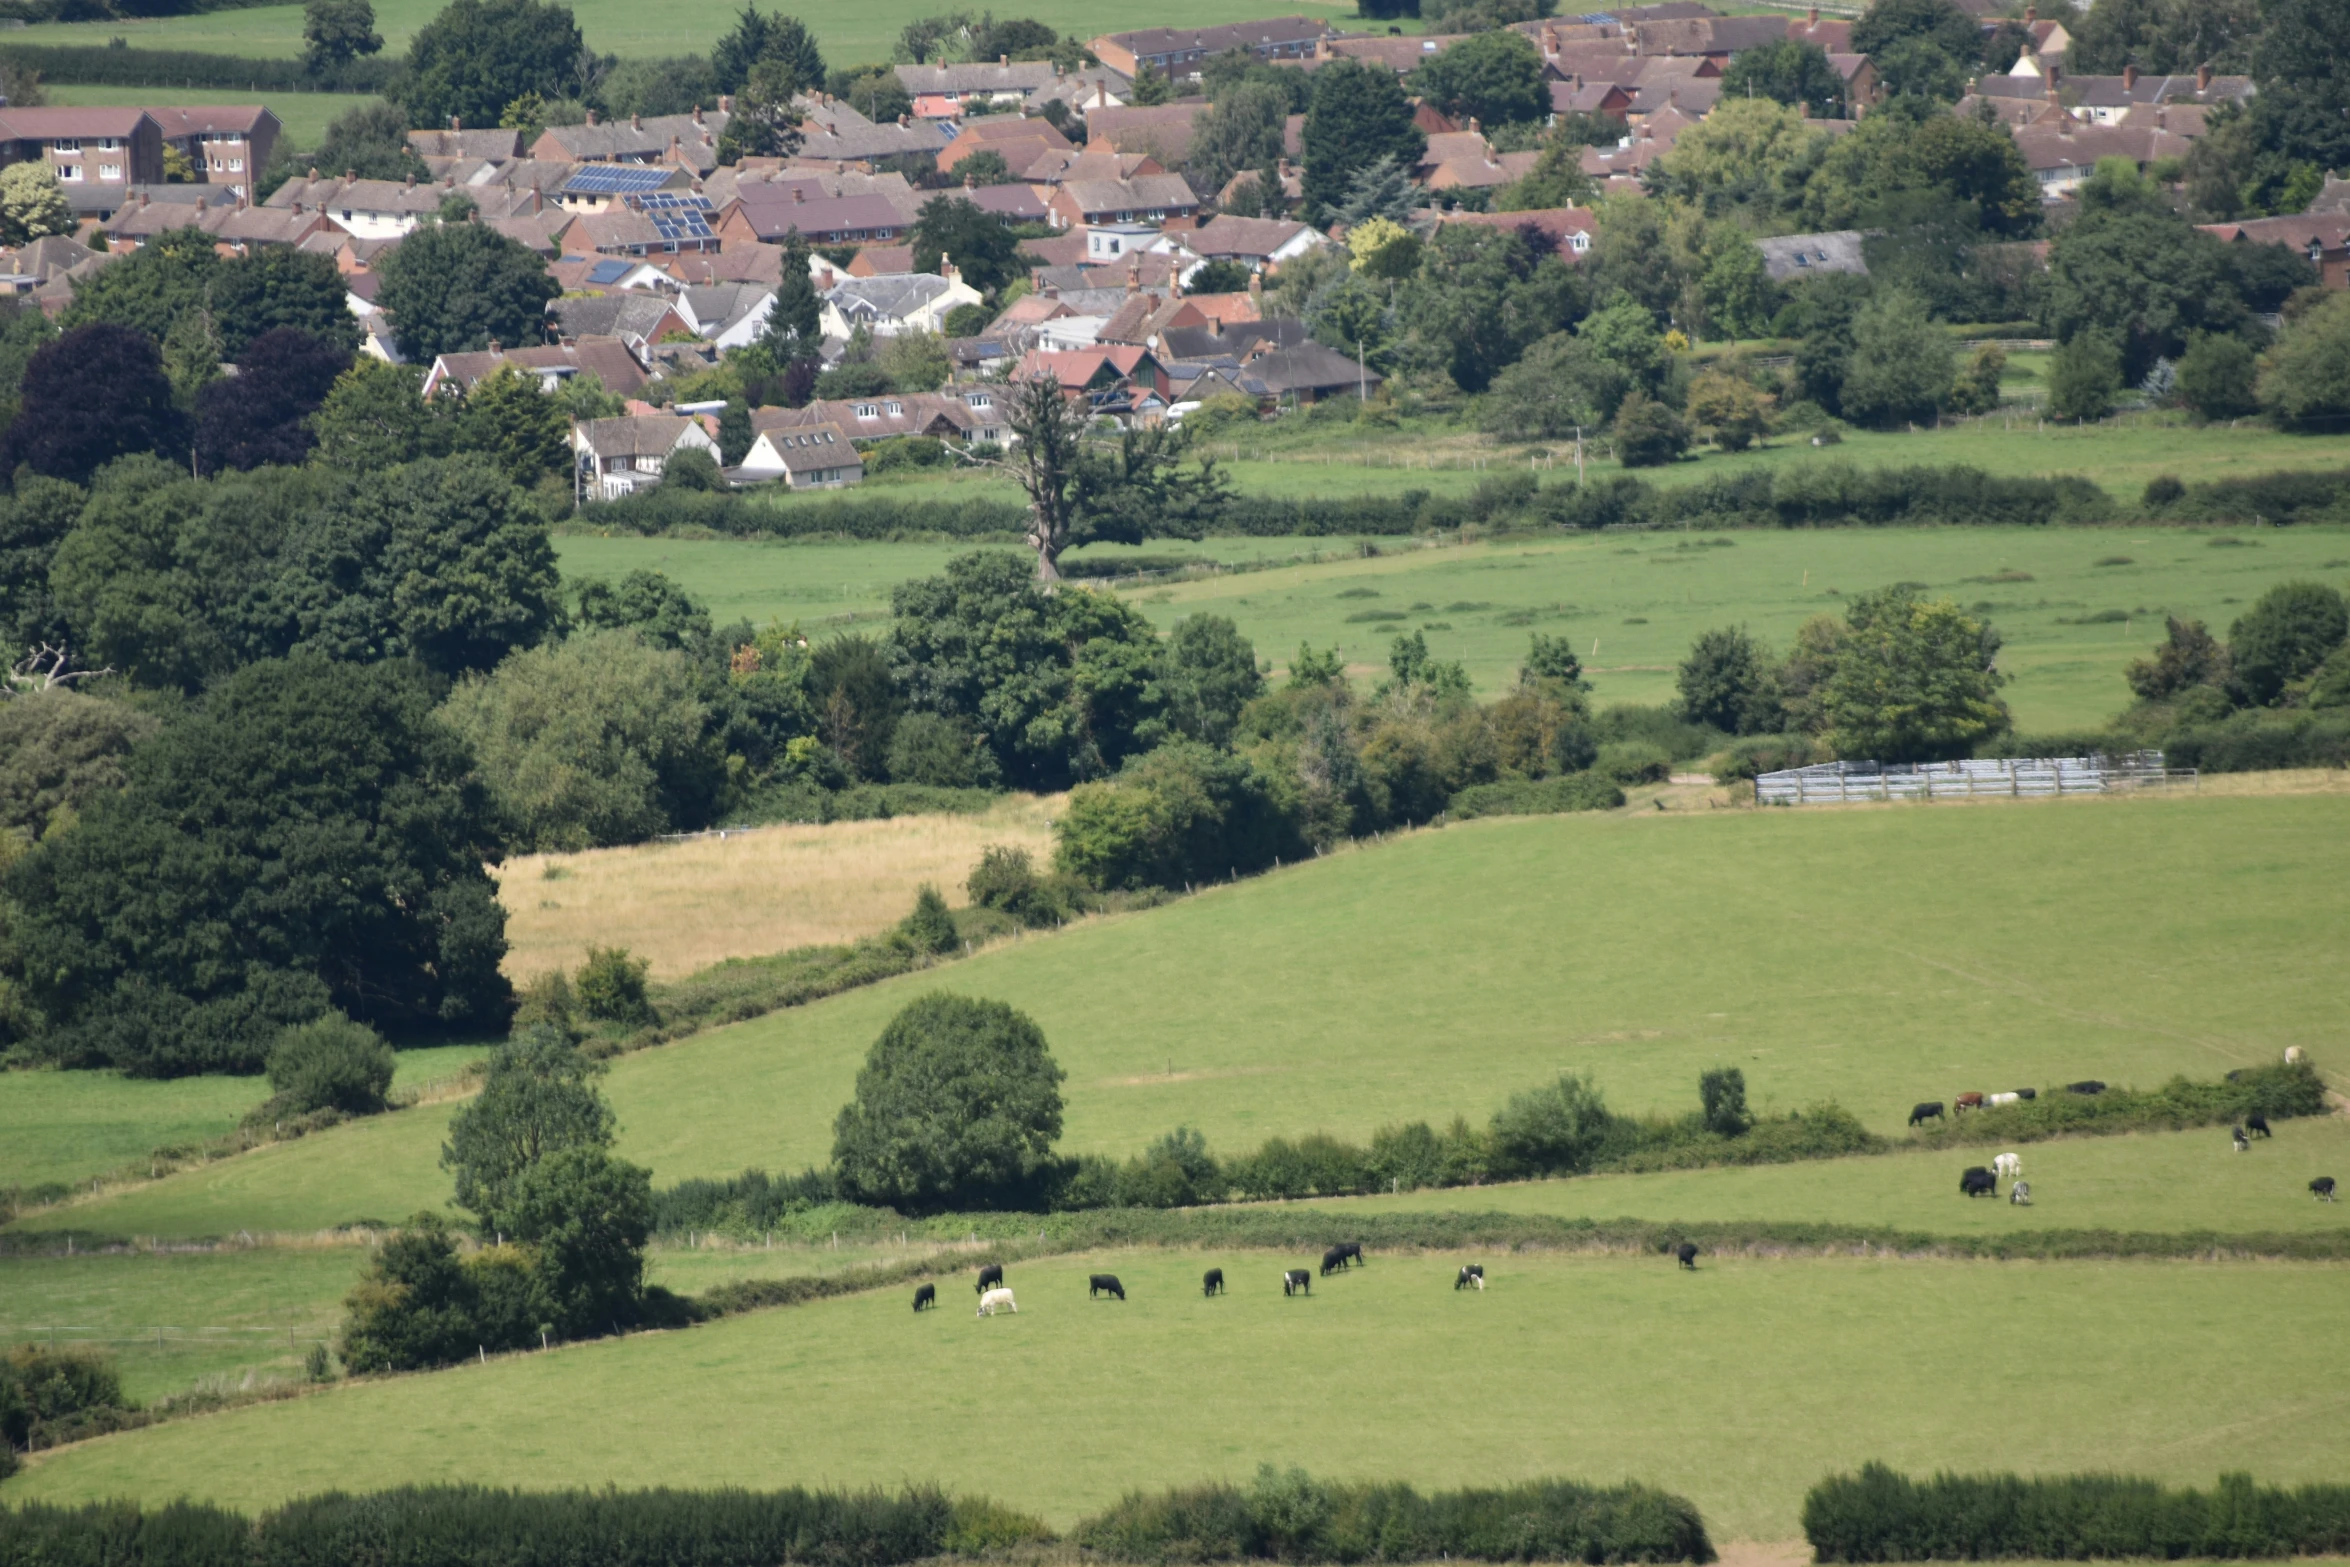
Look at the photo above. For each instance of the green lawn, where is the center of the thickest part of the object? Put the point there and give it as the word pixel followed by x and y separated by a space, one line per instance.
pixel 65 1126
pixel 1633 604
pixel 305 115
pixel 1875 957
pixel 1738 1385
pixel 847 32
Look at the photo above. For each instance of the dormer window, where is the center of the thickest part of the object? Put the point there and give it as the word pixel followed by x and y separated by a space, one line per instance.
pixel 867 411
pixel 895 408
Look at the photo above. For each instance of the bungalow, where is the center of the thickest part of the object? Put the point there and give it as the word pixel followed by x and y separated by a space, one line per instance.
pixel 948 92
pixel 888 306
pixel 1173 52
pixel 1147 198
pixel 877 418
pixel 1308 373
pixel 1260 244
pixel 816 456
pixel 769 215
pixel 606 360
pixel 619 457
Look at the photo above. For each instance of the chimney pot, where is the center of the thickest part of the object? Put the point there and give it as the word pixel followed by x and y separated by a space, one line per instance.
pixel 591 116
pixel 697 114
pixel 314 171
pixel 798 195
pixel 410 182
pixel 1003 60
pixel 455 123
pixel 2203 78
pixel 1256 286
pixel 1814 18
pixel 2129 75
pixel 2031 14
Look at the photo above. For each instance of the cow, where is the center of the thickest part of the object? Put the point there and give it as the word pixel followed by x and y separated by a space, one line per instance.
pixel 926 1298
pixel 1929 1111
pixel 2008 1166
pixel 989 1276
pixel 2238 1139
pixel 999 1296
pixel 1975 1181
pixel 2292 1055
pixel 1297 1281
pixel 1212 1282
pixel 2087 1085
pixel 2323 1187
pixel 1687 1252
pixel 1969 1101
pixel 2027 1094
pixel 1470 1277
pixel 1995 1101
pixel 2257 1125
pixel 1351 1251
pixel 2020 1194
pixel 1104 1284
pixel 1333 1260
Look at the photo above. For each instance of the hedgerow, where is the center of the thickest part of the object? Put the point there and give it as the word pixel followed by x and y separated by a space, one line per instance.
pixel 105 66
pixel 2277 1091
pixel 2272 498
pixel 1881 1516
pixel 1824 495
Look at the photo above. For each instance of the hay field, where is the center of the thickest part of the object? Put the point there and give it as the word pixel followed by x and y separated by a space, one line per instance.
pixel 1738 1385
pixel 688 905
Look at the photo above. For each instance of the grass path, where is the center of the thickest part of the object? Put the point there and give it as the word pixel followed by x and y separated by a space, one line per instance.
pixel 1738 1385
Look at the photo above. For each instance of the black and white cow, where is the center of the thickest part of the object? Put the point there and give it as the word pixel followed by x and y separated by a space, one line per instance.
pixel 1297 1281
pixel 1471 1276
pixel 2323 1188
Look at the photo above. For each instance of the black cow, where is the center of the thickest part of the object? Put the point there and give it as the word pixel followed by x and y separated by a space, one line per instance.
pixel 2323 1187
pixel 1975 1181
pixel 1297 1281
pixel 2027 1093
pixel 1687 1252
pixel 2085 1086
pixel 1104 1284
pixel 1333 1260
pixel 989 1277
pixel 1471 1276
pixel 926 1296
pixel 1352 1251
pixel 1212 1283
pixel 2257 1125
pixel 1930 1111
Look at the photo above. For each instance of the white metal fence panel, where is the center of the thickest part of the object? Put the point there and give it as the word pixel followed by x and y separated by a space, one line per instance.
pixel 2007 777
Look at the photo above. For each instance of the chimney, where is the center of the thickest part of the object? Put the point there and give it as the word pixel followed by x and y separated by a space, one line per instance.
pixel 970 182
pixel 2064 123
pixel 1003 61
pixel 2161 118
pixel 1101 92
pixel 2129 75
pixel 2031 14
pixel 2054 102
pixel 697 114
pixel 946 269
pixel 349 175
pixel 1256 287
pixel 455 123
pixel 314 173
pixel 726 103
pixel 798 195
pixel 1133 277
pixel 2203 78
pixel 497 347
pixel 2055 74
pixel 1475 129
pixel 1036 280
pixel 905 121
pixel 410 182
pixel 591 116
pixel 636 122
pixel 1814 19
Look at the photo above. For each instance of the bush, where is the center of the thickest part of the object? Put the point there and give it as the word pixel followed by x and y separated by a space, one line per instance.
pixel 1006 879
pixel 107 66
pixel 906 451
pixel 1561 1129
pixel 1755 755
pixel 2217 376
pixel 692 469
pixel 48 1397
pixel 1649 434
pixel 1183 814
pixel 612 987
pixel 331 1063
pixel 2285 635
pixel 940 753
pixel 2084 377
pixel 1584 791
pixel 2276 1091
pixel 930 928
pixel 1657 727
pixel 1633 762
pixel 1880 1516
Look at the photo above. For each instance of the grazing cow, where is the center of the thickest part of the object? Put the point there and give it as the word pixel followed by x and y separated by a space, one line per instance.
pixel 2020 1194
pixel 1333 1260
pixel 2237 1137
pixel 1470 1277
pixel 926 1297
pixel 2257 1125
pixel 2323 1186
pixel 2292 1055
pixel 1104 1284
pixel 1969 1101
pixel 999 1296
pixel 2027 1093
pixel 1350 1251
pixel 2237 1076
pixel 2008 1166
pixel 1297 1281
pixel 1975 1181
pixel 2087 1085
pixel 989 1276
pixel 1929 1111
pixel 1212 1283
pixel 1996 1100
pixel 1687 1252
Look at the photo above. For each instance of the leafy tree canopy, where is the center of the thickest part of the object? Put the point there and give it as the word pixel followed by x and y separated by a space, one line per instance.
pixel 336 32
pixel 478 56
pixel 1359 115
pixel 538 1099
pixel 957 229
pixel 1494 77
pixel 95 394
pixel 1912 680
pixel 1793 72
pixel 458 287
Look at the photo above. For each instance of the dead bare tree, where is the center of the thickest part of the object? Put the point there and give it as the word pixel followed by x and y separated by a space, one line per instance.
pixel 46 668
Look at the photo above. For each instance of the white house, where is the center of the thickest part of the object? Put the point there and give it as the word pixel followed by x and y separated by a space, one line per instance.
pixel 899 302
pixel 731 315
pixel 618 457
pixel 805 457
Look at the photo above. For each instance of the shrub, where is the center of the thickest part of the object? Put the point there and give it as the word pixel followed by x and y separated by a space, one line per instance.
pixel 930 928
pixel 2084 377
pixel 2285 635
pixel 1649 434
pixel 1633 762
pixel 1560 1129
pixel 1182 814
pixel 331 1063
pixel 2217 376
pixel 49 1396
pixel 1755 755
pixel 538 1097
pixel 612 987
pixel 1584 791
pixel 940 753
pixel 692 469
pixel 548 1002
pixel 1005 878
pixel 2305 378
pixel 1722 1092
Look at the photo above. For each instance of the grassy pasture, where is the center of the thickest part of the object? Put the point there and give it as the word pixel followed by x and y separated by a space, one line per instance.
pixel 1878 957
pixel 1738 1385
pixel 688 905
pixel 1632 604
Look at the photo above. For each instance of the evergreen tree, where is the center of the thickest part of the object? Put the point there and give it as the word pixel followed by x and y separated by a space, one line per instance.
pixel 1359 116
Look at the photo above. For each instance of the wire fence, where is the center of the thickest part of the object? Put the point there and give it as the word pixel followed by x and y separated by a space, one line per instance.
pixel 2013 777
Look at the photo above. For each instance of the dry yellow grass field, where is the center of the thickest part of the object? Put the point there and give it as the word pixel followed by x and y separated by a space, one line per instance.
pixel 687 905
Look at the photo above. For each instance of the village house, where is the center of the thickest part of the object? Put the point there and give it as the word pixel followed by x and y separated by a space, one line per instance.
pixel 97 153
pixel 888 306
pixel 1146 198
pixel 604 359
pixel 808 456
pixel 1175 52
pixel 618 457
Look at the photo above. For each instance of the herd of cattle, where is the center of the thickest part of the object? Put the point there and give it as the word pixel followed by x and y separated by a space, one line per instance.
pixel 994 1294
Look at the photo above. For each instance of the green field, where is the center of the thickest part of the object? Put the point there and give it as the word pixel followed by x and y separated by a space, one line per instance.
pixel 1875 957
pixel 846 32
pixel 65 1126
pixel 1738 1385
pixel 1633 604
pixel 305 115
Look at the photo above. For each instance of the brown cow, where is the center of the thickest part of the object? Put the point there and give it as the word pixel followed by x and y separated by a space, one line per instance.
pixel 1968 1102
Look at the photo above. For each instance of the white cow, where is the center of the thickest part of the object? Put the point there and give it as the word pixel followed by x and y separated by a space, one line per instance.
pixel 2021 1194
pixel 998 1297
pixel 2003 1099
pixel 2008 1166
pixel 2292 1055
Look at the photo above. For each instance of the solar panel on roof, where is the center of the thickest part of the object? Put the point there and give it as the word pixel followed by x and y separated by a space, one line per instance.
pixel 664 200
pixel 614 179
pixel 608 271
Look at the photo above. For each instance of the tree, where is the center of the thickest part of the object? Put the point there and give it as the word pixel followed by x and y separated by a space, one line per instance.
pixel 1082 490
pixel 460 288
pixel 1207 674
pixel 757 37
pixel 765 124
pixel 1728 410
pixel 2302 62
pixel 2219 377
pixel 612 987
pixel 2187 657
pixel 2132 268
pixel 1494 77
pixel 1742 153
pixel 875 92
pixel 468 570
pixel 1242 129
pixel 1150 87
pixel 1382 188
pixel 477 56
pixel 1554 1130
pixel 373 418
pixel 930 928
pixel 1902 365
pixel 1649 434
pixel 330 1063
pixel 1729 683
pixel 59 750
pixel 336 32
pixel 1184 813
pixel 1908 145
pixel 371 141
pixel 794 327
pixel 1556 180
pixel 2284 636
pixel 958 1105
pixel 278 288
pixel 591 741
pixel 2305 378
pixel 538 1099
pixel 304 837
pixel 1939 23
pixel 1721 1091
pixel 95 394
pixel 585 1216
pixel 1912 680
pixel 261 415
pixel 957 229
pixel 1359 116
pixel 417 1305
pixel 507 418
pixel 32 203
pixel 2084 377
pixel 1793 72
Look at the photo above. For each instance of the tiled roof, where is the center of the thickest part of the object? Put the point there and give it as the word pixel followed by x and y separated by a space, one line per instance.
pixel 775 213
pixel 1143 193
pixel 1215 40
pixel 1021 77
pixel 1257 238
pixel 640 435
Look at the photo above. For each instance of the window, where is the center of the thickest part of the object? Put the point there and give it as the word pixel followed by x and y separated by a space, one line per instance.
pixel 110 171
pixel 236 165
pixel 982 400
pixel 895 408
pixel 69 171
pixel 69 145
pixel 867 411
pixel 109 144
